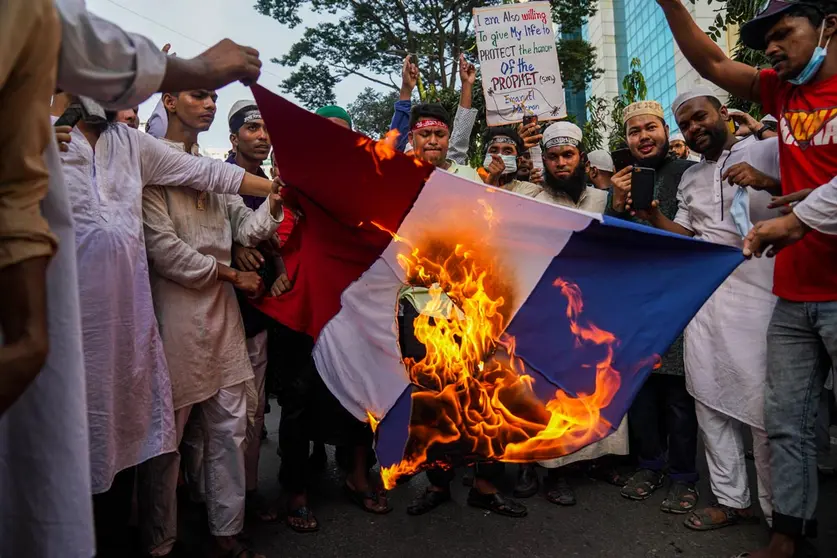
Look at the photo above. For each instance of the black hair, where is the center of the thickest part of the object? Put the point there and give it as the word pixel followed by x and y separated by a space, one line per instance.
pixel 429 110
pixel 813 10
pixel 491 133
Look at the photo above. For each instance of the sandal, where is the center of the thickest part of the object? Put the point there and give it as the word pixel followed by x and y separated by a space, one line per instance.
pixel 496 503
pixel 560 492
pixel 723 516
pixel 682 498
pixel 306 516
pixel 429 501
pixel 360 498
pixel 644 483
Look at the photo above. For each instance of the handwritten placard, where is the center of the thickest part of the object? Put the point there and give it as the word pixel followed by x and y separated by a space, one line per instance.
pixel 519 63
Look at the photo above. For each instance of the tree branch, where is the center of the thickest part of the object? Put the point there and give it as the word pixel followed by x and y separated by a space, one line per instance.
pixel 348 70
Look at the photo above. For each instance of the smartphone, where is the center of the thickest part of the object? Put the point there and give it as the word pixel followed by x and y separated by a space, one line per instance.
pixel 529 118
pixel 622 158
pixel 642 187
pixel 70 116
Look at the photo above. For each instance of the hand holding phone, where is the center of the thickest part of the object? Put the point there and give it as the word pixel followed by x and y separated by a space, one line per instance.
pixel 622 158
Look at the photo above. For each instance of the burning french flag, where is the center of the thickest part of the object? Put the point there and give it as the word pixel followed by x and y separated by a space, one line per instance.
pixel 539 323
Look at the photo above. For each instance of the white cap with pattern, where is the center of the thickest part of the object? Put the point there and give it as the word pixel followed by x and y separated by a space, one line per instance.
pixel 562 133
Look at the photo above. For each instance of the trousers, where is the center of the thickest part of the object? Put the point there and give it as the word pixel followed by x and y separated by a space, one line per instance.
pixel 257 349
pixel 724 441
pixel 801 345
pixel 663 417
pixel 223 423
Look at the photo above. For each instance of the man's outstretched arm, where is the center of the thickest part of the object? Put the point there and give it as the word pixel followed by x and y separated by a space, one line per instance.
pixel 707 57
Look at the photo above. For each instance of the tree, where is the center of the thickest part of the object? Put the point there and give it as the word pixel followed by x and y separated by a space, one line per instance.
pixel 634 89
pixel 371 37
pixel 372 112
pixel 313 86
pixel 738 12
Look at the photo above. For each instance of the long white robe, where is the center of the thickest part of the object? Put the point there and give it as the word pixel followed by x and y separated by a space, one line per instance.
pixel 725 346
pixel 129 396
pixel 45 505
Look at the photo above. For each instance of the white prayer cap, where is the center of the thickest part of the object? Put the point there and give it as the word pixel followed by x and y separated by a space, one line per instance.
pixel 562 133
pixel 677 136
pixel 601 159
pixel 699 91
pixel 245 110
pixel 769 118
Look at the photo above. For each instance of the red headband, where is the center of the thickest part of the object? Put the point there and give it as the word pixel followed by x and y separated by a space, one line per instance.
pixel 428 123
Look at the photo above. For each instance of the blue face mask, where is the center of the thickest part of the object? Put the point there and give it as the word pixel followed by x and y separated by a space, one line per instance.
pixel 740 211
pixel 814 63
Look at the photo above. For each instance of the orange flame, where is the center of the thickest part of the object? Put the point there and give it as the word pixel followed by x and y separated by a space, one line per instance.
pixel 472 390
pixel 373 422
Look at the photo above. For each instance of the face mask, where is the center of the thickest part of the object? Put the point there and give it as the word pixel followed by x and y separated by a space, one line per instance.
pixel 509 160
pixel 814 63
pixel 740 211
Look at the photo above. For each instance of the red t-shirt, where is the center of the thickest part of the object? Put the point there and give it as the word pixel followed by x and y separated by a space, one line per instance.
pixel 807 115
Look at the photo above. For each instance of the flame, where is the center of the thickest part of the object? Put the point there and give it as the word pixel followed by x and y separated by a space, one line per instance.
pixel 471 389
pixel 383 149
pixel 373 422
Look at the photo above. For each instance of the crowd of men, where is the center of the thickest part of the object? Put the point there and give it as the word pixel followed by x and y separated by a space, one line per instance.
pixel 134 366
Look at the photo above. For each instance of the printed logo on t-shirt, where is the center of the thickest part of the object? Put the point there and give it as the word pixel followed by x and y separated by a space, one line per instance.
pixel 804 128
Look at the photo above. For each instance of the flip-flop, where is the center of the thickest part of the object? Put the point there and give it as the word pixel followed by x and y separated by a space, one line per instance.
pixel 731 517
pixel 305 514
pixel 359 498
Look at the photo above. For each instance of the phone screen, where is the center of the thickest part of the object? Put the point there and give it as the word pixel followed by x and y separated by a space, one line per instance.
pixel 70 116
pixel 642 187
pixel 622 158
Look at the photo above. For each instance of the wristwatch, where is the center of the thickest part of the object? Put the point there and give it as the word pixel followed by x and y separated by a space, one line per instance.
pixel 760 132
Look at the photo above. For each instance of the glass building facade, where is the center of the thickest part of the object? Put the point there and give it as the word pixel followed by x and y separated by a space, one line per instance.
pixel 648 38
pixel 576 102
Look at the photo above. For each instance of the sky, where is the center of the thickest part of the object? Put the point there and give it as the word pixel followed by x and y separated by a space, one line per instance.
pixel 192 26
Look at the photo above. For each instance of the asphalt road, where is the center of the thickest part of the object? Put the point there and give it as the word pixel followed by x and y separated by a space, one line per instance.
pixel 603 524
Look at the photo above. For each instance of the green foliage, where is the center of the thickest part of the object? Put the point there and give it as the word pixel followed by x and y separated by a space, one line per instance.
pixel 372 112
pixel 370 38
pixel 313 86
pixel 578 63
pixel 738 12
pixel 596 125
pixel 634 89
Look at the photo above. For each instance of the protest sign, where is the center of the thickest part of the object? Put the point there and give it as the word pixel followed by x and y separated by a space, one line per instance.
pixel 519 63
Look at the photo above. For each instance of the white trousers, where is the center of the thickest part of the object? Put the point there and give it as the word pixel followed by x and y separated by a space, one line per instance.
pixel 723 439
pixel 257 349
pixel 222 423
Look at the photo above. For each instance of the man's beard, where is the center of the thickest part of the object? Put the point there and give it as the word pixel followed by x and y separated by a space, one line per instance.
pixel 657 160
pixel 573 186
pixel 717 140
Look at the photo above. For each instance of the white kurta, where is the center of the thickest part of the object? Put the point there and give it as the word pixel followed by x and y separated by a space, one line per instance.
pixel 45 505
pixel 128 388
pixel 187 235
pixel 725 346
